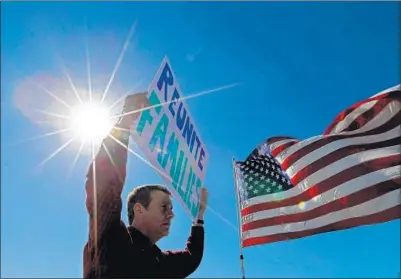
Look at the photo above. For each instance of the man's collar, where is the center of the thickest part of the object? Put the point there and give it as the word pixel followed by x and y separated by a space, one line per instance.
pixel 141 239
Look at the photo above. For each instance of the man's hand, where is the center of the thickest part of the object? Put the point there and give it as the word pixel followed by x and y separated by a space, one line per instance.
pixel 202 202
pixel 132 106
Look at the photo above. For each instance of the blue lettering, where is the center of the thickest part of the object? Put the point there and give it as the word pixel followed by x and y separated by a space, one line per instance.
pixel 181 116
pixel 191 146
pixel 175 96
pixel 201 156
pixel 166 79
pixel 197 147
pixel 187 132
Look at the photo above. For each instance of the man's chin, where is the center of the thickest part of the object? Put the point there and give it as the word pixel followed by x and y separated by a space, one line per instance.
pixel 166 231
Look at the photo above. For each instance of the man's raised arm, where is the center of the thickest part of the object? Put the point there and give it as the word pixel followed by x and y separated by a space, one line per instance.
pixel 107 173
pixel 105 181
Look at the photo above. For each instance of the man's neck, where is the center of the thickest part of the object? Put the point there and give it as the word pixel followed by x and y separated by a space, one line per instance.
pixel 145 232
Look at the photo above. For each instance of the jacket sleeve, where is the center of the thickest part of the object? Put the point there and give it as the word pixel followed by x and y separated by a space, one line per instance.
pixel 180 264
pixel 104 185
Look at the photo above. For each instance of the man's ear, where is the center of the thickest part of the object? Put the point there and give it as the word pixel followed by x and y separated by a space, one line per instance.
pixel 138 208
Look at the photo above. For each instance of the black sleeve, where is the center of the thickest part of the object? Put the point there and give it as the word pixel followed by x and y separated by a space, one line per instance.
pixel 180 264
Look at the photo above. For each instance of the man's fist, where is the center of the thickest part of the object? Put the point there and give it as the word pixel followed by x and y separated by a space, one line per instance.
pixel 132 106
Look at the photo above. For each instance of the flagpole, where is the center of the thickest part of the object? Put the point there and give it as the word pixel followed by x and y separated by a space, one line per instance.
pixel 241 257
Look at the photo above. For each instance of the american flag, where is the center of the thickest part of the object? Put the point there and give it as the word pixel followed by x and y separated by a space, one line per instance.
pixel 348 177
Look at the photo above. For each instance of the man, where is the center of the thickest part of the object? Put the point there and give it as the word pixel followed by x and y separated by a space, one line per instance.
pixel 116 251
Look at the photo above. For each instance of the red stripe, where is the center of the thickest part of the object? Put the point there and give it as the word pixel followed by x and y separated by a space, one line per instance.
pixel 380 217
pixel 349 110
pixel 276 139
pixel 336 205
pixel 393 123
pixel 328 184
pixel 339 154
pixel 282 147
pixel 368 115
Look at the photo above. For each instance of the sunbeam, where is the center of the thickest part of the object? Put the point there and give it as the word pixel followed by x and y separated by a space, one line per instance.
pixel 76 158
pixel 94 196
pixel 42 136
pixel 67 75
pixel 182 98
pixel 88 66
pixel 53 114
pixel 55 152
pixel 51 94
pixel 119 60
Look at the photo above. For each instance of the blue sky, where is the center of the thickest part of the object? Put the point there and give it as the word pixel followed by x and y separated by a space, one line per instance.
pixel 299 64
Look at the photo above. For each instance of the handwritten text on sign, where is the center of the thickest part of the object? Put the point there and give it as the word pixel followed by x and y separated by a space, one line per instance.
pixel 168 136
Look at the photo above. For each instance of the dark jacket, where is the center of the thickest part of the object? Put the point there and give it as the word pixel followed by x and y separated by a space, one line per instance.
pixel 114 250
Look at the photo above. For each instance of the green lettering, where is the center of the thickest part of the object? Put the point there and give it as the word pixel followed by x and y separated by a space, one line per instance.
pixel 146 117
pixel 176 170
pixel 171 152
pixel 155 102
pixel 181 190
pixel 159 134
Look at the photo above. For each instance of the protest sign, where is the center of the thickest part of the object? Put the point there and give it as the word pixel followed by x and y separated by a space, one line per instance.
pixel 167 135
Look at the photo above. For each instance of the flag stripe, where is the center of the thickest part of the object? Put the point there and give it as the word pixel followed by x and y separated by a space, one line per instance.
pixel 272 140
pixel 383 121
pixel 333 152
pixel 351 115
pixel 380 217
pixel 365 117
pixel 386 94
pixel 327 178
pixel 359 193
pixel 276 149
pixel 378 204
pixel 306 149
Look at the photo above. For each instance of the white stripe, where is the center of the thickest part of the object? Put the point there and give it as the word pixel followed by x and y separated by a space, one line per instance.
pixel 342 190
pixel 394 88
pixel 327 172
pixel 386 201
pixel 343 124
pixel 380 119
pixel 280 142
pixel 315 155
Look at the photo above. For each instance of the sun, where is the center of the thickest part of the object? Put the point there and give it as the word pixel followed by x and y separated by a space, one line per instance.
pixel 90 121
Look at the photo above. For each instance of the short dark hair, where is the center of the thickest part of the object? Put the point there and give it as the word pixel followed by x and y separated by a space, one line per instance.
pixel 141 195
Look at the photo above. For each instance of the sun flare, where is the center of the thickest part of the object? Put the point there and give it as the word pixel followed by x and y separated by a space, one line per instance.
pixel 90 121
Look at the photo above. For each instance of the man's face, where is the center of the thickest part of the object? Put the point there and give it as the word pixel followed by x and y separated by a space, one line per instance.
pixel 159 214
